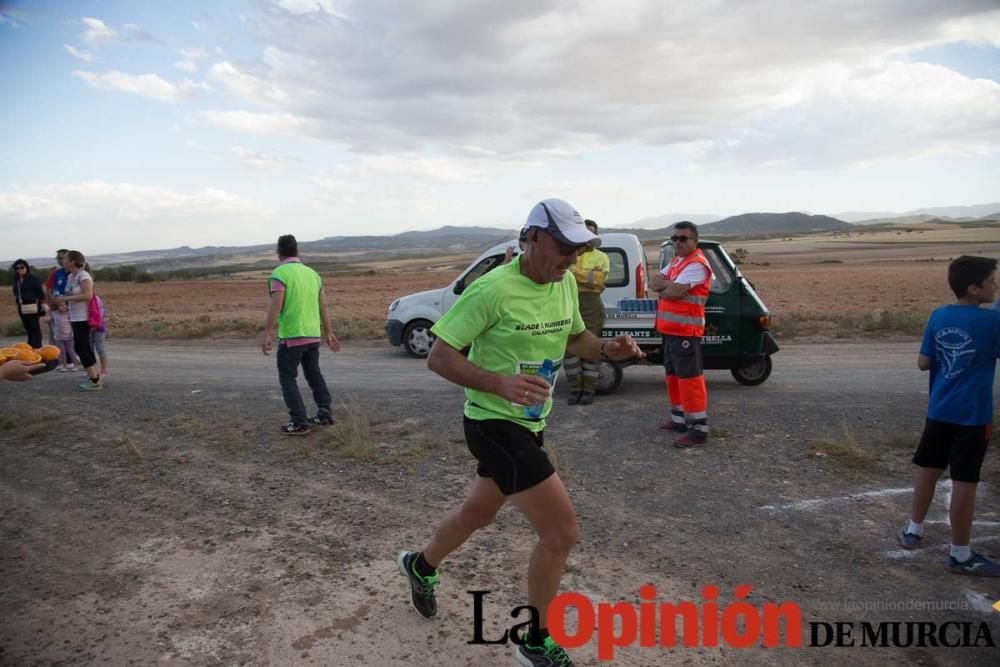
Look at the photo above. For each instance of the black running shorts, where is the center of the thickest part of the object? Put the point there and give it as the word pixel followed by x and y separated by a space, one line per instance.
pixel 682 356
pixel 509 454
pixel 961 448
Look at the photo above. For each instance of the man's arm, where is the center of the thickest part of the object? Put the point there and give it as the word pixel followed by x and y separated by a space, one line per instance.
pixel 450 364
pixel 328 336
pixel 668 290
pixel 923 363
pixel 277 301
pixel 589 346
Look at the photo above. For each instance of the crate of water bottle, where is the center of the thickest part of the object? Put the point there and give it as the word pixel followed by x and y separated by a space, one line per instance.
pixel 633 305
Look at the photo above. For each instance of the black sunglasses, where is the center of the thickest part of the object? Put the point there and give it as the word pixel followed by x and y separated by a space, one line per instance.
pixel 675 239
pixel 566 249
pixel 20 268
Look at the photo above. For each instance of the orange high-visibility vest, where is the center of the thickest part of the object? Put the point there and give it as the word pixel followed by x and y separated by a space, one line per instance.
pixel 685 316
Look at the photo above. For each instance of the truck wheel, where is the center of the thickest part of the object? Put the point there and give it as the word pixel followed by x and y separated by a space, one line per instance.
pixel 417 338
pixel 754 372
pixel 610 378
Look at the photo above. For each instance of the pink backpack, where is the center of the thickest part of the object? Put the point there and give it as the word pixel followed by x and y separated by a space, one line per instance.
pixel 95 313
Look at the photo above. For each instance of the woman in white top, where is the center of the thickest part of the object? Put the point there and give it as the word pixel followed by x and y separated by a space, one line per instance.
pixel 77 294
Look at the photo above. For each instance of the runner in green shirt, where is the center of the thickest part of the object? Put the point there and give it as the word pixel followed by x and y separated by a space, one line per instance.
pixel 515 318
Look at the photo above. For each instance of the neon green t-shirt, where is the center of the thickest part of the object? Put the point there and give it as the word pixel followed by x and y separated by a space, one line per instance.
pixel 513 325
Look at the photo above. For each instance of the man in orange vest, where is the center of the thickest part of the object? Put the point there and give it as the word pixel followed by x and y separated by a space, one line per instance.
pixel 683 288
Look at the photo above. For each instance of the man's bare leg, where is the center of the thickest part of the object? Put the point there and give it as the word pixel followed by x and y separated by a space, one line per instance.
pixel 475 512
pixel 549 509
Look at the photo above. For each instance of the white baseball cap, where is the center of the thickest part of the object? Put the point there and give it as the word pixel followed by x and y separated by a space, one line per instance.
pixel 559 219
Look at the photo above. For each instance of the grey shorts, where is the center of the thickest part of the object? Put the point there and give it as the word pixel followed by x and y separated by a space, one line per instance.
pixel 97 340
pixel 682 356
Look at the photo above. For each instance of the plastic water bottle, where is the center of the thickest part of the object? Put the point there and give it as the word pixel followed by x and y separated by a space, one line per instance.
pixel 545 372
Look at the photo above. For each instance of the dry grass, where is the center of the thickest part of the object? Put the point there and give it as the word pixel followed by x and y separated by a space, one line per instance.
pixel 899 442
pixel 356 435
pixel 233 437
pixel 128 448
pixel 845 451
pixel 849 325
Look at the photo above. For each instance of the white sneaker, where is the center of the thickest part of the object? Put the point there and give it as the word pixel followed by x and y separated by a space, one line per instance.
pixel 64 369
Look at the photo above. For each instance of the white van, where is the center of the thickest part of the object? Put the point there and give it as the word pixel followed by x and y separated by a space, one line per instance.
pixel 411 317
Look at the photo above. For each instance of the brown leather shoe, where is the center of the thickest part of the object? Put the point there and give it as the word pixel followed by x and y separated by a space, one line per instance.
pixel 671 425
pixel 690 440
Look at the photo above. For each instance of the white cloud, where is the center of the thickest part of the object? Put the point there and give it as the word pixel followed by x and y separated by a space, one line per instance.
pixel 186 66
pixel 8 19
pixel 250 122
pixel 542 79
pixel 194 53
pixel 85 56
pixel 246 86
pixel 144 85
pixel 853 117
pixel 300 7
pixel 135 33
pixel 101 216
pixel 256 160
pixel 97 32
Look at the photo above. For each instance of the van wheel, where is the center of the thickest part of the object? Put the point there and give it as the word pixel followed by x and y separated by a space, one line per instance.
pixel 754 372
pixel 610 378
pixel 417 338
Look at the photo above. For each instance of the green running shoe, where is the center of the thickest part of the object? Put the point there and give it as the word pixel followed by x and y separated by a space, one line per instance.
pixel 421 588
pixel 549 654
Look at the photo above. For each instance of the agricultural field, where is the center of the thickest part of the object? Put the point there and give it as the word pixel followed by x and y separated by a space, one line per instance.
pixel 824 285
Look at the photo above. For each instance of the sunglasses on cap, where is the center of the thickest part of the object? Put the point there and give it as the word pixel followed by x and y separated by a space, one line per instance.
pixel 682 239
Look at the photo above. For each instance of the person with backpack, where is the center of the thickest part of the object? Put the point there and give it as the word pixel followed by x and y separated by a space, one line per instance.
pixel 98 330
pixel 77 294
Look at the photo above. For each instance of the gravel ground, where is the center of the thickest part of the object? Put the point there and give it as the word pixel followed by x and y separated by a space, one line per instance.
pixel 164 520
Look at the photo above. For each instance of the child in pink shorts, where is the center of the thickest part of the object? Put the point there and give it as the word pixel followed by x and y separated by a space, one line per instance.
pixel 62 332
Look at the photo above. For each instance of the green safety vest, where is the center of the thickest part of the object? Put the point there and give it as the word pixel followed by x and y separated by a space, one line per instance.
pixel 299 316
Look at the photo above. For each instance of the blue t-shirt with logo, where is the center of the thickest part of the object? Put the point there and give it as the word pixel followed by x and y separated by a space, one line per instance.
pixel 59 277
pixel 962 343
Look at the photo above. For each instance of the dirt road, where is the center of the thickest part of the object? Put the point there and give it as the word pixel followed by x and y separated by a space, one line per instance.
pixel 165 521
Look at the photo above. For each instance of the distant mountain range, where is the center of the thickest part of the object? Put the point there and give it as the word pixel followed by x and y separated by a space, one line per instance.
pixel 472 239
pixel 978 211
pixel 774 223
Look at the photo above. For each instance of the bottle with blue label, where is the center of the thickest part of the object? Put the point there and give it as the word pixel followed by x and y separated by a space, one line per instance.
pixel 545 372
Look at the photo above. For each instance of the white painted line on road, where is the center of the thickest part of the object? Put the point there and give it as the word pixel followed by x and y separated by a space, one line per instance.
pixel 981 602
pixel 813 503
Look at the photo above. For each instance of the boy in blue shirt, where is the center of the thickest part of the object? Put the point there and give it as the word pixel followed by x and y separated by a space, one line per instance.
pixel 960 347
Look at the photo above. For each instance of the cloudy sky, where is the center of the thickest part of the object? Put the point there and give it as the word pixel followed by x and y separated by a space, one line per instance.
pixel 140 125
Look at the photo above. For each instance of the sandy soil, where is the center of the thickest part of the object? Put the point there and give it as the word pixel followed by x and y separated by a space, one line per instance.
pixel 164 521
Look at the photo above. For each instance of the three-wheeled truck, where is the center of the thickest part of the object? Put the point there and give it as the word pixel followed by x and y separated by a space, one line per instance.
pixel 737 324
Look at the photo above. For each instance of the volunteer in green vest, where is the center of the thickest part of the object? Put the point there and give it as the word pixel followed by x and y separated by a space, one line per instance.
pixel 591 272
pixel 298 310
pixel 515 318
